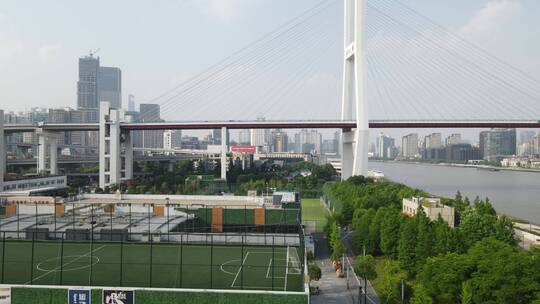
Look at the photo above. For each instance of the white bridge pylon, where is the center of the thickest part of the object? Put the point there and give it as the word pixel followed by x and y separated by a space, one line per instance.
pixel 354 155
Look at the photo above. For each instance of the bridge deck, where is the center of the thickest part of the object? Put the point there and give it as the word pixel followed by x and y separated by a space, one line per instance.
pixel 309 124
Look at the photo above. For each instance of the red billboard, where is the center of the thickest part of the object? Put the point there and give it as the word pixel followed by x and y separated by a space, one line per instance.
pixel 244 149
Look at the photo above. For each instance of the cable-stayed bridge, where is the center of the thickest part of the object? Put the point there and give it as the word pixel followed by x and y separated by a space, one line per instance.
pixel 276 124
pixel 383 65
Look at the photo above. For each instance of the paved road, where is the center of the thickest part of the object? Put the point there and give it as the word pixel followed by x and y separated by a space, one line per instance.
pixel 333 290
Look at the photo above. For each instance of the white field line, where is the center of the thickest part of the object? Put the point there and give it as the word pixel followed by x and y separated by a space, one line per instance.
pixel 286 270
pixel 65 264
pixel 240 269
pixel 225 263
pixel 268 276
pixel 179 260
pixel 268 271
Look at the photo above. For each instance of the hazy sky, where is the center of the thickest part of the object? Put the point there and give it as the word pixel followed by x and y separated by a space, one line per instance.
pixel 158 44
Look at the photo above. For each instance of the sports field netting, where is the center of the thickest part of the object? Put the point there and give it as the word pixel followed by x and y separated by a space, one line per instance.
pixel 166 265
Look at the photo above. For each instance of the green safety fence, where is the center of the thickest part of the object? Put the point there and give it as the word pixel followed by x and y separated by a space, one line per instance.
pixel 59 296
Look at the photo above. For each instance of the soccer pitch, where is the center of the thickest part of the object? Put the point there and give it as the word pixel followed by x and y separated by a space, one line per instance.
pixel 163 265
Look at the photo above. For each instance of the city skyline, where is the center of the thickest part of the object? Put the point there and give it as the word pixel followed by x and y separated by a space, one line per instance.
pixel 477 22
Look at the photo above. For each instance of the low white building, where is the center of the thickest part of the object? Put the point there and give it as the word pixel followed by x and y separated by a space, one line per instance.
pixel 433 208
pixel 521 162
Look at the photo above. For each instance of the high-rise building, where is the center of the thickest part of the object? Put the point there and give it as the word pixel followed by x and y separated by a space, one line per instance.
pixel 87 88
pixel 280 141
pixel 525 136
pixel 453 139
pixel 110 86
pixel 60 116
pixel 308 141
pixel 337 141
pixel 535 143
pixel 409 146
pixel 432 148
pixel 462 152
pixel 131 103
pixel 433 141
pixel 95 84
pixel 216 136
pixel 149 112
pixel 497 143
pixel 260 137
pixel 151 138
pixel 385 147
pixel 172 139
pixel 329 146
pixel 244 137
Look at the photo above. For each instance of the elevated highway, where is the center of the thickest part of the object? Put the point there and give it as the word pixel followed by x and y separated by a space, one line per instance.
pixel 269 124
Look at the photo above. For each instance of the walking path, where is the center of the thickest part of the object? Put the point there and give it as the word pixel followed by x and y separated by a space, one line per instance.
pixel 332 289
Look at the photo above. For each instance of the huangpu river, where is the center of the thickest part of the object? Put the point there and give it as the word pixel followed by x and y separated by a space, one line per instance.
pixel 515 193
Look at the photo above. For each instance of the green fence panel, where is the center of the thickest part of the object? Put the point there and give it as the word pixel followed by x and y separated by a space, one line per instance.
pixel 238 216
pixel 59 296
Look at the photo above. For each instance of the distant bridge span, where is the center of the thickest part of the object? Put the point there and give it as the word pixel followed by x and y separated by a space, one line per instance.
pixel 296 124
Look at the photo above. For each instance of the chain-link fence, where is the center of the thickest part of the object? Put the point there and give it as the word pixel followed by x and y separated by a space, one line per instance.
pixel 150 245
pixel 358 289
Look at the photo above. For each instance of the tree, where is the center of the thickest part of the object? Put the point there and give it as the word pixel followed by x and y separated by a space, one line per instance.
pixel 361 237
pixel 503 274
pixel 314 272
pixel 407 245
pixel 165 189
pixel 504 230
pixel 477 225
pixel 390 291
pixel 445 238
pixel 132 190
pixel 443 275
pixel 365 268
pixel 358 180
pixel 466 293
pixel 420 295
pixel 337 251
pixel 424 238
pixel 375 230
pixel 484 207
pixel 390 234
pixel 458 198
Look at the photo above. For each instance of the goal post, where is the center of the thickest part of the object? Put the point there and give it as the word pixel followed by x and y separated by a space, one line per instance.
pixel 294 265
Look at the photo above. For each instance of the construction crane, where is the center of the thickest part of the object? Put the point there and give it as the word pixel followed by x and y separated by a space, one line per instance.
pixel 93 52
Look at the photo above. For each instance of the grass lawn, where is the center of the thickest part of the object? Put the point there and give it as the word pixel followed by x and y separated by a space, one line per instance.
pixel 167 265
pixel 312 210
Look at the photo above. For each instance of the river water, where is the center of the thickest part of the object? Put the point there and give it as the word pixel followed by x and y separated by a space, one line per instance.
pixel 514 193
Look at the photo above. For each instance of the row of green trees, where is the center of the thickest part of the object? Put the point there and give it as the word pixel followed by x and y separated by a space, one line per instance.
pixel 337 247
pixel 158 178
pixel 417 250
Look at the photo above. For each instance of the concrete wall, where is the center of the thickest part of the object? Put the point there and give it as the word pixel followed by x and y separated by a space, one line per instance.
pixel 134 208
pixel 410 207
pixel 31 209
pixel 202 198
pixel 35 183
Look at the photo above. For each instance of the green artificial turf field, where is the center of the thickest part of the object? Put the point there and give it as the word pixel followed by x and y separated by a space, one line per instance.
pixel 166 265
pixel 312 210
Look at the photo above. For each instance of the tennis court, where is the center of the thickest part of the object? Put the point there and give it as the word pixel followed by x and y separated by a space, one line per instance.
pixel 166 265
